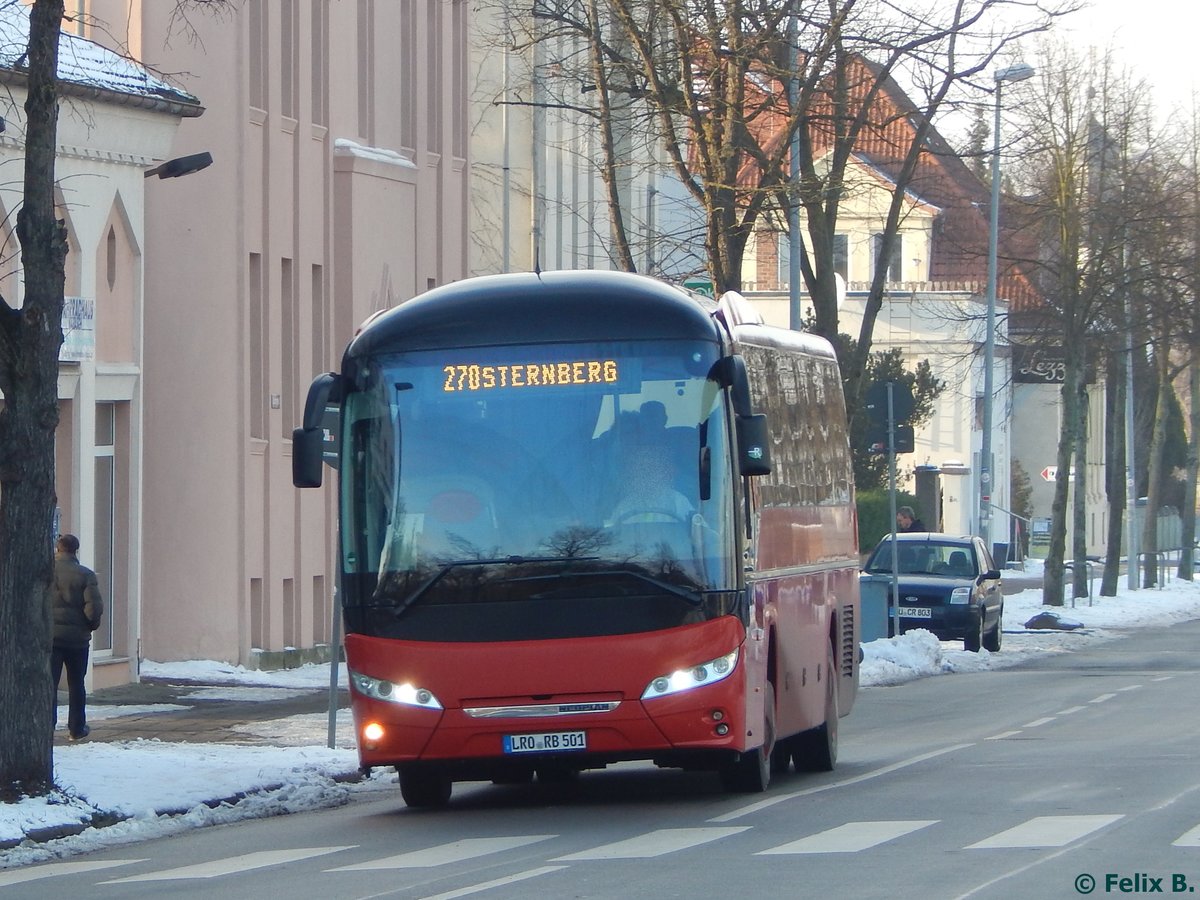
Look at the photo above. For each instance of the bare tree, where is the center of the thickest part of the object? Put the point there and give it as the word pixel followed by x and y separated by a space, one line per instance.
pixel 30 338
pixel 732 90
pixel 1095 202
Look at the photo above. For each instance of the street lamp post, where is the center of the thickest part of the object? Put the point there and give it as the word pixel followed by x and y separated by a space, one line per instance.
pixel 1019 72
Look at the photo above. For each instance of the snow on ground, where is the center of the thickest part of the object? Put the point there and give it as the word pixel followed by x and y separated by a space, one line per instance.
pixel 917 654
pixel 157 788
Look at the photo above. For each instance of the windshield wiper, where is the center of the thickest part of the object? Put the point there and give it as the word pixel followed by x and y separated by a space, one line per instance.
pixel 453 564
pixel 693 597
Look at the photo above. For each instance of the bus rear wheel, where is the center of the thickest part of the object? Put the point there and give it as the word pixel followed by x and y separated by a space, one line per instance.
pixel 816 750
pixel 751 772
pixel 424 790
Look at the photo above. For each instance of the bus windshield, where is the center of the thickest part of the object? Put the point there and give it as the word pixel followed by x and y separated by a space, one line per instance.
pixel 506 493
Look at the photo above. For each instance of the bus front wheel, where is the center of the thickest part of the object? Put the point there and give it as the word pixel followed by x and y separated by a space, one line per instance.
pixel 424 789
pixel 751 772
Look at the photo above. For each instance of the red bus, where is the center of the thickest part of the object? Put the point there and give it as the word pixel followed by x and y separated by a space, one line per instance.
pixel 588 517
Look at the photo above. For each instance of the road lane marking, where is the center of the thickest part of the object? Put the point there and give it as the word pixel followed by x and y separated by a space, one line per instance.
pixel 1071 710
pixel 1188 839
pixel 456 851
pixel 499 882
pixel 845 782
pixel 1129 687
pixel 1045 831
pixel 654 843
pixel 1037 722
pixel 1103 698
pixel 1002 735
pixel 851 837
pixel 231 865
pixel 53 870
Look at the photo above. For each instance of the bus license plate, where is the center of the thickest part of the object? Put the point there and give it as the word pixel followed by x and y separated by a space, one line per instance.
pixel 916 612
pixel 548 742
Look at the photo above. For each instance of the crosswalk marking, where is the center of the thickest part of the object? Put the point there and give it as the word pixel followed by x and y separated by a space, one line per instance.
pixel 851 837
pixel 233 864
pixel 457 851
pixel 759 805
pixel 1189 839
pixel 499 882
pixel 655 843
pixel 34 873
pixel 1038 722
pixel 1045 831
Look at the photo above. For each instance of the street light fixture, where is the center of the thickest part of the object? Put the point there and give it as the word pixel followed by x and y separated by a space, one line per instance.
pixel 1018 72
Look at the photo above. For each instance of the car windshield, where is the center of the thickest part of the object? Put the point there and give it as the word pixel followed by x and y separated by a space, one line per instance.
pixel 946 558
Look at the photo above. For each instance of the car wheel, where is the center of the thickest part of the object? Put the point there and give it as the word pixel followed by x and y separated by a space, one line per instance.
pixel 991 641
pixel 974 640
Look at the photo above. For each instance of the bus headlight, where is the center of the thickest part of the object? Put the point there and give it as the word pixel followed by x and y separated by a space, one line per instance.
pixel 404 694
pixel 692 677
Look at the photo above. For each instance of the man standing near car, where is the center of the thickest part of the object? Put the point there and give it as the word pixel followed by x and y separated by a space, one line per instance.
pixel 78 607
pixel 906 520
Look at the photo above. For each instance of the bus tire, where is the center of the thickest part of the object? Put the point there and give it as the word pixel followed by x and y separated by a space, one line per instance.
pixel 816 750
pixel 424 790
pixel 751 772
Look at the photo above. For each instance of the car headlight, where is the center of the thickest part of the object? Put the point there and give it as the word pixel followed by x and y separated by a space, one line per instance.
pixel 692 677
pixel 961 595
pixel 404 694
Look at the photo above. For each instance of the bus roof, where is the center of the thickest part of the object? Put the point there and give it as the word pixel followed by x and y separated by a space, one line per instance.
pixel 531 308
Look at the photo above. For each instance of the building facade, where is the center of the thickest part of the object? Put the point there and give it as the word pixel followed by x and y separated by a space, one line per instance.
pixel 116 122
pixel 339 134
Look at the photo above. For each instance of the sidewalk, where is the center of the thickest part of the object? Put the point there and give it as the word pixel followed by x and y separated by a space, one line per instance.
pixel 209 712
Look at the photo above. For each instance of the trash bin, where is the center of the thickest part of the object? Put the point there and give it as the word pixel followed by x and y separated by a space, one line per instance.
pixel 873 596
pixel 1000 554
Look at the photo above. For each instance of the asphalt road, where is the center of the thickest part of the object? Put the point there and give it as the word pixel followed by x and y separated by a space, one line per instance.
pixel 1045 780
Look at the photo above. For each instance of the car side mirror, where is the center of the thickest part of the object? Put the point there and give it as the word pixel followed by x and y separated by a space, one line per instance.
pixel 990 575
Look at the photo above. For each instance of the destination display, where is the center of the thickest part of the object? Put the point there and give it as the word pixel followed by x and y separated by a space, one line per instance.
pixel 569 373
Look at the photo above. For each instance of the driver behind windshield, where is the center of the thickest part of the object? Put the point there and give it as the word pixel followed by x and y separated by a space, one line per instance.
pixel 648 491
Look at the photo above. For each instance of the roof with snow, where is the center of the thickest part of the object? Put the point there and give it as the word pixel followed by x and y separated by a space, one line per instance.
pixel 90 68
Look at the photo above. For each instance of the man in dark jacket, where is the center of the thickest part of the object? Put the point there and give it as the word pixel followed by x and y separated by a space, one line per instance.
pixel 906 520
pixel 78 607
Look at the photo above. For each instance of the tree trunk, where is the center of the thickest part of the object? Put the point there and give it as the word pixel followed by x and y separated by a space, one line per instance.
pixel 1114 468
pixel 1052 584
pixel 1187 554
pixel 30 338
pixel 1154 490
pixel 1079 581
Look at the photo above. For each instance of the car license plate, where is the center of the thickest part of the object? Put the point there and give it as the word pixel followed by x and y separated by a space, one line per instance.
pixel 548 742
pixel 916 612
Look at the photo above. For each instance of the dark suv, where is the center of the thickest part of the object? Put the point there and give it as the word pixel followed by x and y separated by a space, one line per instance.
pixel 948 583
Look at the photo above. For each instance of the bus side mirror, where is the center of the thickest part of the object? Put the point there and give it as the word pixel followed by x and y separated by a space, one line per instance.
pixel 730 372
pixel 316 440
pixel 754 445
pixel 308 446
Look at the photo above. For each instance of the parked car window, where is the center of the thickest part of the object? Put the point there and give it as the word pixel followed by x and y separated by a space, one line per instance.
pixel 956 560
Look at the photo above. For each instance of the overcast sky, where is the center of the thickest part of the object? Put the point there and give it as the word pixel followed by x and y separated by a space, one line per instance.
pixel 1155 39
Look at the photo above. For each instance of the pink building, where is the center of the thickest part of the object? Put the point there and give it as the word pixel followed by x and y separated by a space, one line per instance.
pixel 339 133
pixel 116 123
